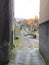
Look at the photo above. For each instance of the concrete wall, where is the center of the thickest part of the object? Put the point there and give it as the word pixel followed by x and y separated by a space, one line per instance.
pixel 44 40
pixel 44 30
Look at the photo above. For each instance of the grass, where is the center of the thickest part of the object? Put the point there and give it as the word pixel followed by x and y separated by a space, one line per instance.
pixel 34 32
pixel 16 43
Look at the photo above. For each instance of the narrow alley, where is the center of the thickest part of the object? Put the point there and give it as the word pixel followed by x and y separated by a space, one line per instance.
pixel 28 53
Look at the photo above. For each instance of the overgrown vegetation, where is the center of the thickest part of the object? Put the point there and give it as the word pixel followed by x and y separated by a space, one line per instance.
pixel 16 43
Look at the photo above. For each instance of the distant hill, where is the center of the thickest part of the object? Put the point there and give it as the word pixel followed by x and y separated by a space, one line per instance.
pixel 18 19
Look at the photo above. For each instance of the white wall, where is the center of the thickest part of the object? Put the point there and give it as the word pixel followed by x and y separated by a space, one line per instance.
pixel 44 10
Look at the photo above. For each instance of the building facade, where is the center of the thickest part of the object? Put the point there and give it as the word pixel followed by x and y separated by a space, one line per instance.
pixel 44 30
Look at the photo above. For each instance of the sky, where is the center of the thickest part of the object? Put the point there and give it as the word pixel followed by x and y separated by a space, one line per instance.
pixel 26 8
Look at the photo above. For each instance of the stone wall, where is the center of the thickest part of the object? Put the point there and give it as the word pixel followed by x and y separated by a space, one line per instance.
pixel 6 31
pixel 11 21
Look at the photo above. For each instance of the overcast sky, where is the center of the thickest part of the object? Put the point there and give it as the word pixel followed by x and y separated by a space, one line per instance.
pixel 26 8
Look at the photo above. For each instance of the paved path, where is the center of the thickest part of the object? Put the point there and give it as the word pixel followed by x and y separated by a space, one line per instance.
pixel 27 43
pixel 27 53
pixel 28 57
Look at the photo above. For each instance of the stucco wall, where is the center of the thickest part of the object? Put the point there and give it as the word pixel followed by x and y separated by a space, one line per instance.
pixel 44 10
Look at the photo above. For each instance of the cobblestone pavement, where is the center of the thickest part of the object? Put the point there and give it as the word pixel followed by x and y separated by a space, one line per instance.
pixel 27 57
